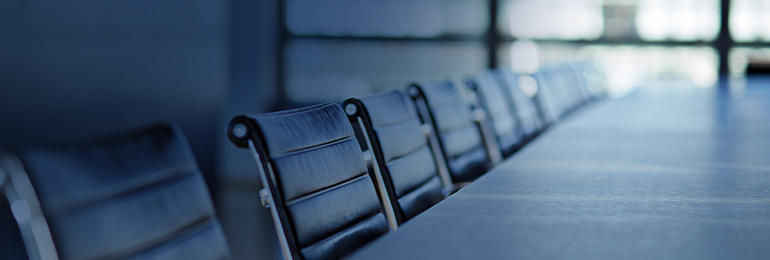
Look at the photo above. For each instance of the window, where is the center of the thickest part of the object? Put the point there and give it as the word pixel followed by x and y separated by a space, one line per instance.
pixel 630 40
pixel 337 49
pixel 749 21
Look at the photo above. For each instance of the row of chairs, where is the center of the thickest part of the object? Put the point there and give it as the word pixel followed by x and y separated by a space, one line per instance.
pixel 141 195
pixel 328 197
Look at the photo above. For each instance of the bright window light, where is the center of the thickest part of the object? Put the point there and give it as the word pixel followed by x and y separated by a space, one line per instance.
pixel 749 21
pixel 525 57
pixel 681 20
pixel 554 19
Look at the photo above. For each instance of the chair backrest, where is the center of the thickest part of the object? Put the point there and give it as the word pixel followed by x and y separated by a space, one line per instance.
pixel 564 86
pixel 402 151
pixel 462 144
pixel 526 108
pixel 594 79
pixel 567 81
pixel 323 200
pixel 549 100
pixel 577 76
pixel 500 111
pixel 570 86
pixel 137 195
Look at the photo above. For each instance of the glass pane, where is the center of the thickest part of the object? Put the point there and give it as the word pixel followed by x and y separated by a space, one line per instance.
pixel 680 20
pixel 552 19
pixel 321 70
pixel 648 20
pixel 527 56
pixel 626 67
pixel 749 20
pixel 393 18
pixel 745 60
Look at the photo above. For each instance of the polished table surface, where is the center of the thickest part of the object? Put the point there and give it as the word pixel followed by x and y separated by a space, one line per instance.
pixel 667 172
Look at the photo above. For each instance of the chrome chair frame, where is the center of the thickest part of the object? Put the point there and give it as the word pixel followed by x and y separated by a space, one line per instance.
pixel 26 208
pixel 240 133
pixel 387 199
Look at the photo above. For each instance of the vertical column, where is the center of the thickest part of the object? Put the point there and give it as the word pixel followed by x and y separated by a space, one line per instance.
pixel 493 35
pixel 283 39
pixel 724 42
pixel 253 88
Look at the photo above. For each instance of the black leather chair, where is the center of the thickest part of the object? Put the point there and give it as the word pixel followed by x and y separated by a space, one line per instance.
pixel 526 107
pixel 549 100
pixel 563 93
pixel 468 148
pixel 323 200
pixel 576 75
pixel 570 86
pixel 403 154
pixel 138 195
pixel 500 111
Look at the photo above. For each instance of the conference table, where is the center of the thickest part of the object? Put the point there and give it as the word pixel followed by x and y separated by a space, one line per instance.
pixel 670 171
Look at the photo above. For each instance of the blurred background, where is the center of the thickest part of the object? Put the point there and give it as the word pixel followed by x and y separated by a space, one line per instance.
pixel 71 70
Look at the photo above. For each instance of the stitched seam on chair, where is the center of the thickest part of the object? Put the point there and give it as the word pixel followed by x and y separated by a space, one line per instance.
pixel 311 148
pixel 439 100
pixel 342 231
pixel 410 152
pixel 473 149
pixel 324 190
pixel 417 187
pixel 103 194
pixel 478 135
pixel 179 235
pixel 467 122
pixel 407 118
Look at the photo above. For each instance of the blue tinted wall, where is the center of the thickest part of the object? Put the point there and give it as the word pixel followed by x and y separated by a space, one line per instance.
pixel 79 69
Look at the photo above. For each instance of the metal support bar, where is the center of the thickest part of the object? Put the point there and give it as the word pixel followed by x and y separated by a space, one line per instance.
pixel 265 198
pixel 490 143
pixel 27 210
pixel 269 201
pixel 390 214
pixel 368 157
pixel 441 165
